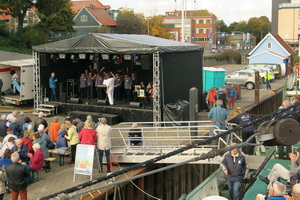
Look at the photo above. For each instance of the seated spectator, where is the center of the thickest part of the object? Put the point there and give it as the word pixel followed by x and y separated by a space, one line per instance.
pixel 21 149
pixel 9 134
pixel 21 120
pixel 135 135
pixel 27 141
pixel 88 134
pixel 3 126
pixel 295 193
pixel 276 192
pixel 4 161
pixel 15 127
pixel 54 127
pixel 36 160
pixel 43 132
pixel 30 127
pixel 8 145
pixel 39 120
pixel 25 125
pixel 37 139
pixel 62 141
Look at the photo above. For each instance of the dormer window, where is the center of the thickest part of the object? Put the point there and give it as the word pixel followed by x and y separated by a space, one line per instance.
pixel 83 18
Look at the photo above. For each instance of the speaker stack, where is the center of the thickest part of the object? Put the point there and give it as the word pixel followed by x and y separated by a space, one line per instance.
pixel 134 104
pixel 101 102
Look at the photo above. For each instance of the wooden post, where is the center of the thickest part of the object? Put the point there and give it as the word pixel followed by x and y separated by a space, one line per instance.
pixel 257 81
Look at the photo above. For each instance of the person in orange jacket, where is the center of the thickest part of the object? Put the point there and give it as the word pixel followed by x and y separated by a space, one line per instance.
pixel 210 98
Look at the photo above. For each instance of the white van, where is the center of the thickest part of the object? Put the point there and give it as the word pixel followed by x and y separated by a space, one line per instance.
pixel 278 69
pixel 262 72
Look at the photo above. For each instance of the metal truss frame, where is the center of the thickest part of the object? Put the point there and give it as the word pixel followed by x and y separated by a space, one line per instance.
pixel 36 81
pixel 156 88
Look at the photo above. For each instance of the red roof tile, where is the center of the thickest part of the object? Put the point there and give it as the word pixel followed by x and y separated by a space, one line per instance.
pixel 284 44
pixel 102 16
pixel 78 5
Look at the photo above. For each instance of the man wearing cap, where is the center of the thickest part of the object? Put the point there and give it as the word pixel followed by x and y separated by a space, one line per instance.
pixel 243 119
pixel 210 98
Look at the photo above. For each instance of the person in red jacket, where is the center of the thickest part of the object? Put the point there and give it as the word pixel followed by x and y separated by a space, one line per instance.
pixel 88 134
pixel 27 141
pixel 36 160
pixel 210 98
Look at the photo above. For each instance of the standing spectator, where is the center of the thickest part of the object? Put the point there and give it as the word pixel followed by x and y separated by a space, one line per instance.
pixel 52 85
pixel 88 135
pixel 232 96
pixel 222 96
pixel 268 78
pixel 22 150
pixel 73 138
pixel 17 178
pixel 27 141
pixel 89 118
pixel 109 82
pixel 127 87
pixel 54 127
pixel 40 120
pixel 244 119
pixel 104 143
pixel 210 98
pixel 3 127
pixel 235 168
pixel 1 85
pixel 62 141
pixel 36 160
pixel 15 128
pixel 37 139
pixel 82 86
pixel 10 117
pixel 21 120
pixel 25 125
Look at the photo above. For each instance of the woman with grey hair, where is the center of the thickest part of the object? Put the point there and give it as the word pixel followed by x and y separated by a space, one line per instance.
pixel 15 127
pixel 3 127
pixel 36 160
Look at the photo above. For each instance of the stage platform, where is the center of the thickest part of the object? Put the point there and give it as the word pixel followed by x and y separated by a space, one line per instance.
pixel 124 111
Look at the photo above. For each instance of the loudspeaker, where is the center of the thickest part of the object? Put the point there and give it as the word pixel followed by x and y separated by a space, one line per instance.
pixel 44 60
pixel 63 97
pixel 75 100
pixel 101 102
pixel 135 104
pixel 145 61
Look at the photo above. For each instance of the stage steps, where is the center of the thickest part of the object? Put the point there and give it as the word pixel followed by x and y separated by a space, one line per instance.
pixel 111 118
pixel 48 109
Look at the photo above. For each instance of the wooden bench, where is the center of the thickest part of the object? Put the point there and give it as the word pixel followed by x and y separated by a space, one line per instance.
pixel 61 156
pixel 47 163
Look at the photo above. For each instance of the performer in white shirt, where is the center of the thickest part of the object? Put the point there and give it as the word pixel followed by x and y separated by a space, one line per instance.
pixel 109 82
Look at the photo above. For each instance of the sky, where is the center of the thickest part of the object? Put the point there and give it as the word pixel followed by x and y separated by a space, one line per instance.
pixel 227 10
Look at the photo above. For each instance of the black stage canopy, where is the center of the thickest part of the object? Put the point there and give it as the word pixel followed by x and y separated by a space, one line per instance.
pixel 180 64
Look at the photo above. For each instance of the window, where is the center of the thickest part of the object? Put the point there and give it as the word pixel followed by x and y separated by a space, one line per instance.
pixel 200 21
pixel 208 21
pixel 298 25
pixel 83 18
pixel 201 39
pixel 269 45
pixel 298 14
pixel 200 30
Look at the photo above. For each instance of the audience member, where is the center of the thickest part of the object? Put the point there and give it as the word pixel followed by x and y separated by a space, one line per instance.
pixel 37 139
pixel 39 120
pixel 54 127
pixel 73 138
pixel 276 192
pixel 10 116
pixel 17 178
pixel 8 145
pixel 3 180
pixel 22 150
pixel 21 119
pixel 3 126
pixel 88 135
pixel 62 142
pixel 104 143
pixel 9 134
pixel 210 98
pixel 27 140
pixel 6 160
pixel 26 124
pixel 36 160
pixel 15 128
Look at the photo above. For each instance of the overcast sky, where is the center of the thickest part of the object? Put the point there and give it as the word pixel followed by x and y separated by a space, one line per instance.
pixel 228 10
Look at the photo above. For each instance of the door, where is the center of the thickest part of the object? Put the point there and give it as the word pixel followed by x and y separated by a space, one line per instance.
pixel 26 83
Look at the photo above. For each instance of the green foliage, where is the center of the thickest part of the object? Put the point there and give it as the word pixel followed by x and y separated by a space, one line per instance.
pixel 296 60
pixel 203 12
pixel 35 34
pixel 102 29
pixel 56 14
pixel 221 26
pixel 228 56
pixel 130 23
pixel 157 27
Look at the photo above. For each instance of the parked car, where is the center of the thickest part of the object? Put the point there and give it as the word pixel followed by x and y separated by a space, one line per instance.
pixel 243 77
pixel 262 72
pixel 278 69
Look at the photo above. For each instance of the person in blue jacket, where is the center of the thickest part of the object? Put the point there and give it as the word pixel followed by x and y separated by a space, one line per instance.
pixel 52 85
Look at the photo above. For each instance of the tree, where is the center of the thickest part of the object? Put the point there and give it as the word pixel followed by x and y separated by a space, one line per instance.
pixel 203 12
pixel 130 23
pixel 221 26
pixel 17 9
pixel 157 27
pixel 102 29
pixel 259 26
pixel 56 14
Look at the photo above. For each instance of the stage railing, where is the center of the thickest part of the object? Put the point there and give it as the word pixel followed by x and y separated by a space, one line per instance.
pixel 160 137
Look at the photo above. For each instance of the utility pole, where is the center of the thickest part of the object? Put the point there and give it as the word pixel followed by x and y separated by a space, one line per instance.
pixel 257 81
pixel 182 20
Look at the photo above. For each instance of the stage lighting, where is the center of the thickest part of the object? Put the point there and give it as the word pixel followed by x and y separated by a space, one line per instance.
pixel 62 56
pixel 72 57
pixel 91 57
pixel 105 56
pixel 82 56
pixel 127 57
pixel 54 58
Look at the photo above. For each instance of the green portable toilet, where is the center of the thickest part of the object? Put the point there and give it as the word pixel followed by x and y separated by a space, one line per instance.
pixel 213 76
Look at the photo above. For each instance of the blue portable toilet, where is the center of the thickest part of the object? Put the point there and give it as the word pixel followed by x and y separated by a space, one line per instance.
pixel 213 76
